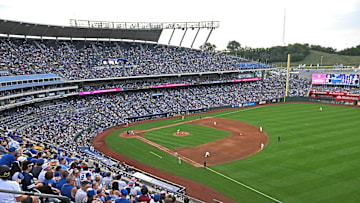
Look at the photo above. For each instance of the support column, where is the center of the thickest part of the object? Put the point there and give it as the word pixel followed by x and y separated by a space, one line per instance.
pixel 171 36
pixel 192 44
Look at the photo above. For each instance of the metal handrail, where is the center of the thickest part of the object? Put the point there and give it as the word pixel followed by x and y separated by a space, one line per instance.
pixel 62 198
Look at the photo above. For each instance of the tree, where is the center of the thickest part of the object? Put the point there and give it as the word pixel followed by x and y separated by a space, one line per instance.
pixel 208 47
pixel 233 46
pixel 353 51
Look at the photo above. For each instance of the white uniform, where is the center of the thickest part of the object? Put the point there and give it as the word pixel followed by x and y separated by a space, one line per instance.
pixel 179 158
pixel 178 130
pixel 261 129
pixel 214 122
pixel 207 154
pixel 182 118
pixel 262 145
pixel 320 108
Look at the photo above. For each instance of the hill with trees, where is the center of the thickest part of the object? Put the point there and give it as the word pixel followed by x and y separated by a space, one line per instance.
pixel 300 54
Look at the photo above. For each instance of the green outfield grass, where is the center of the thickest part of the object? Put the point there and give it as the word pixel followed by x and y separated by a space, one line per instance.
pixel 317 159
pixel 198 135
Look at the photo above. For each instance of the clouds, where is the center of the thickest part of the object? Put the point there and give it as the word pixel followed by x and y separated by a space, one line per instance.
pixel 256 23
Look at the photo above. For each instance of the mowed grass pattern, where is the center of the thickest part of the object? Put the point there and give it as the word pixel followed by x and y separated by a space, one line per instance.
pixel 317 159
pixel 198 135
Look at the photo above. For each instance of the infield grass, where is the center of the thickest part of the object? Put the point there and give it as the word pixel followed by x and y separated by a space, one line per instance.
pixel 317 159
pixel 198 135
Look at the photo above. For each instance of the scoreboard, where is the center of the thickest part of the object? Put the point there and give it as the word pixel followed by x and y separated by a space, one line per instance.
pixel 336 79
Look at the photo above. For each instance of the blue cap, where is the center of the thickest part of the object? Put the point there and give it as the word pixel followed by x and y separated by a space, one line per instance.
pixel 12 149
pixel 156 197
pixel 124 192
pixel 88 174
pixel 131 183
pixel 91 193
pixel 29 158
pixel 57 174
pixel 19 140
pixel 34 160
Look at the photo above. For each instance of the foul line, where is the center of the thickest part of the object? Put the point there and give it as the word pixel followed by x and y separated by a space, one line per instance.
pixel 156 155
pixel 248 187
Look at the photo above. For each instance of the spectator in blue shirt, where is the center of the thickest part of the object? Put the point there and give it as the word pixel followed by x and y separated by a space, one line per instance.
pixel 9 158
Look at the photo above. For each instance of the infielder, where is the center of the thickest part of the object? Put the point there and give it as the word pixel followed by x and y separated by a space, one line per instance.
pixel 261 129
pixel 207 154
pixel 262 146
pixel 178 131
pixel 214 123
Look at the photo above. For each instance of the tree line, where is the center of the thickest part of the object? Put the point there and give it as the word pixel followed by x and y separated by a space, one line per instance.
pixel 279 53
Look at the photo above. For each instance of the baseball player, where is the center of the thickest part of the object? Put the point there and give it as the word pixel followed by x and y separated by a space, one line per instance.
pixel 320 108
pixel 179 158
pixel 261 129
pixel 178 131
pixel 214 123
pixel 182 118
pixel 207 154
pixel 262 146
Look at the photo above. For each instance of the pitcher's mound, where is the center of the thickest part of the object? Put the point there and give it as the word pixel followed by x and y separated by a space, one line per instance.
pixel 181 134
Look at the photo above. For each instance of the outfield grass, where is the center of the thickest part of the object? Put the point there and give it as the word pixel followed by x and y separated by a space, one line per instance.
pixel 198 135
pixel 317 159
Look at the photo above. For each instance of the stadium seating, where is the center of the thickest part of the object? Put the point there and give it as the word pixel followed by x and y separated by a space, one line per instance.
pixel 86 60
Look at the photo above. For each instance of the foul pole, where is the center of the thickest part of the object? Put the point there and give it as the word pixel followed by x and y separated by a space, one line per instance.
pixel 287 77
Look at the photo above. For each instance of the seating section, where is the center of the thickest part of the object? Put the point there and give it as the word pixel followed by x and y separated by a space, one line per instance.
pixel 87 60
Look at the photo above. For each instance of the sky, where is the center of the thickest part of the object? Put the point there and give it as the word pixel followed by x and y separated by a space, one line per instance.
pixel 255 23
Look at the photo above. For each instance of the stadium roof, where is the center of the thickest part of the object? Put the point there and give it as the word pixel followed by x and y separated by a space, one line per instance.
pixel 32 29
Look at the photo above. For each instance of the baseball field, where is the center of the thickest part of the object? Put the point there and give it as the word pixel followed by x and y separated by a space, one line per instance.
pixel 316 159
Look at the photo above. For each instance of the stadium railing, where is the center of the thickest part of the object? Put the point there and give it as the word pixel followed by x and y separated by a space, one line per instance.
pixel 62 198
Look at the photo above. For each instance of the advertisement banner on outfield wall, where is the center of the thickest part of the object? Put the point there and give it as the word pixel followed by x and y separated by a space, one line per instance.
pixel 263 102
pixel 335 93
pixel 319 79
pixel 236 105
pixel 249 104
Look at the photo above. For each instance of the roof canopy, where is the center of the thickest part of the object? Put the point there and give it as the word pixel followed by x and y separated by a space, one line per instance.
pixel 32 29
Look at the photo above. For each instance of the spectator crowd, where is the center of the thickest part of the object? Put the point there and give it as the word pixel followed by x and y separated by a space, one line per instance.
pixel 76 60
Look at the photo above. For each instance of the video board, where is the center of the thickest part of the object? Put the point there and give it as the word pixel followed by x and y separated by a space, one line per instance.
pixel 335 79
